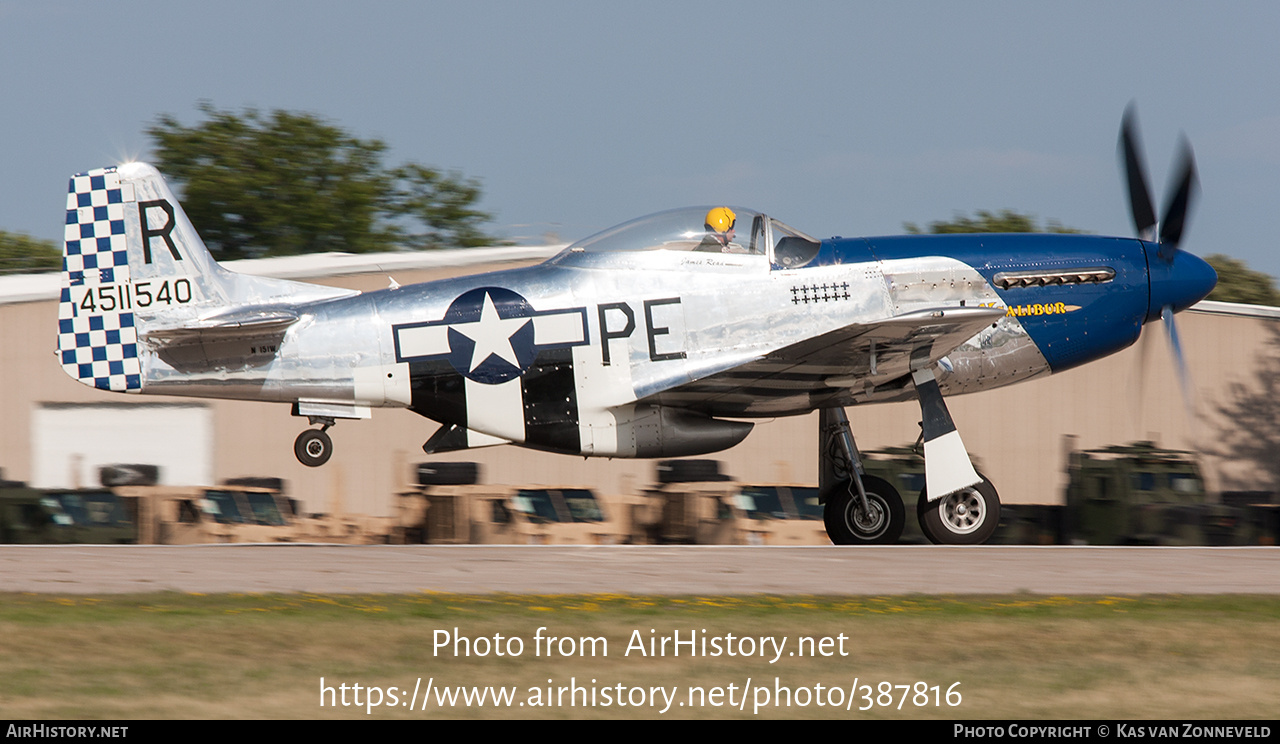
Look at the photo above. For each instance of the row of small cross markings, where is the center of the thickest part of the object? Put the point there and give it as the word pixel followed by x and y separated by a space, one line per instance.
pixel 819 293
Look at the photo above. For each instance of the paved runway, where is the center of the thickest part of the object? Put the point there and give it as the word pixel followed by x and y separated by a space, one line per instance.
pixel 638 569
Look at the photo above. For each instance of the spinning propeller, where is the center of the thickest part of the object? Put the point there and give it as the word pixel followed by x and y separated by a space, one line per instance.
pixel 1177 279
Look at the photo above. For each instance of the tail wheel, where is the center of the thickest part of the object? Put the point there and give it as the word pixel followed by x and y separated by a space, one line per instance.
pixel 848 524
pixel 967 517
pixel 313 448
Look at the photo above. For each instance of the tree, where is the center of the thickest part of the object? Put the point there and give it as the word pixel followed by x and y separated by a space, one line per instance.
pixel 1236 281
pixel 443 203
pixel 286 183
pixel 1239 283
pixel 986 222
pixel 23 253
pixel 1253 416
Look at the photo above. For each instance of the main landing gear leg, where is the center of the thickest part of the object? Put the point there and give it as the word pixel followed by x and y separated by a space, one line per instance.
pixel 860 509
pixel 968 509
pixel 313 447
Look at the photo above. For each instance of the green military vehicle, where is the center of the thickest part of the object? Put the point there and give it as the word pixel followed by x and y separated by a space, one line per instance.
pixel 903 468
pixel 1140 494
pixel 1020 524
pixel 62 516
pixel 131 508
pixel 1263 511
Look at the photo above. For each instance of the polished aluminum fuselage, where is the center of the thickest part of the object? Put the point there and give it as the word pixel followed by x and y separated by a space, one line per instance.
pixel 653 338
pixel 727 310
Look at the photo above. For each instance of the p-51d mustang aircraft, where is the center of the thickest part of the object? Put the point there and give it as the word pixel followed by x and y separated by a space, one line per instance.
pixel 651 339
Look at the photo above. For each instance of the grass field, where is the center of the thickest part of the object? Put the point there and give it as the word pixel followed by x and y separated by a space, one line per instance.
pixel 263 656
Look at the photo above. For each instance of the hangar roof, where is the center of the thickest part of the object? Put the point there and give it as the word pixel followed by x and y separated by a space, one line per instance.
pixel 38 287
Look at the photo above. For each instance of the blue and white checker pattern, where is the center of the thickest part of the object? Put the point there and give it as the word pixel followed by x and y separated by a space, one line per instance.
pixel 95 347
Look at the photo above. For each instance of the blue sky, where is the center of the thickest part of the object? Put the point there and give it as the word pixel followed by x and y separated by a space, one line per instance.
pixel 837 117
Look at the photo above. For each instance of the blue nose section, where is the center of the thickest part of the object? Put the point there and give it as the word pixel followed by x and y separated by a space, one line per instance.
pixel 1179 283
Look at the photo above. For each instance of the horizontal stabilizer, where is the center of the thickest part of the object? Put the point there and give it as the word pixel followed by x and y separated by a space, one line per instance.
pixel 240 325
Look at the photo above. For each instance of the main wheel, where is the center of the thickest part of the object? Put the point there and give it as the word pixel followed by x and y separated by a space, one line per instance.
pixel 313 448
pixel 967 517
pixel 848 525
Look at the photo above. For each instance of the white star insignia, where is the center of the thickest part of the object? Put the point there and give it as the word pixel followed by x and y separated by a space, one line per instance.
pixel 492 335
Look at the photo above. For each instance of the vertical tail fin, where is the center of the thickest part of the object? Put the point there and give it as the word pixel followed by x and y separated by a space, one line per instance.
pixel 97 331
pixel 131 264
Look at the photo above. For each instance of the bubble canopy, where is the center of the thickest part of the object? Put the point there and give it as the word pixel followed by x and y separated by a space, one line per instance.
pixel 686 229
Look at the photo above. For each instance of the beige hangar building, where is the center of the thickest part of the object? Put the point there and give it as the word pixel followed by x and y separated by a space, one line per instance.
pixel 55 432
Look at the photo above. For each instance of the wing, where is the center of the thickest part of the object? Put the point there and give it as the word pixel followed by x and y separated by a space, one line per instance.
pixel 871 361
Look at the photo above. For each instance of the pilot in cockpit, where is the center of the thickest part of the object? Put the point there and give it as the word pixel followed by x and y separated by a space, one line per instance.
pixel 719 238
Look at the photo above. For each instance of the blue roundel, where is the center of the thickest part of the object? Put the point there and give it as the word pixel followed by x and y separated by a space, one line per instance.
pixel 491 335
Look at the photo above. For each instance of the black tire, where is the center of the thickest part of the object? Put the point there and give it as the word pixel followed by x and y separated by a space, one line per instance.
pixel 967 517
pixel 844 525
pixel 256 481
pixel 690 471
pixel 129 475
pixel 448 473
pixel 313 448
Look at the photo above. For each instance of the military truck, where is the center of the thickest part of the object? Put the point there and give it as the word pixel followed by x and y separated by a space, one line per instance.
pixel 69 515
pixel 694 503
pixel 1262 508
pixel 131 507
pixel 237 513
pixel 63 516
pixel 448 505
pixel 903 468
pixel 1141 494
pixel 780 514
pixel 691 503
pixel 191 515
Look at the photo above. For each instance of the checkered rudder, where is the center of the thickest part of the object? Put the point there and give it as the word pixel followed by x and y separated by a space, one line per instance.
pixel 97 338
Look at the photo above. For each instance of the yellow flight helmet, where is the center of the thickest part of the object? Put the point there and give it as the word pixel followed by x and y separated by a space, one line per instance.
pixel 721 219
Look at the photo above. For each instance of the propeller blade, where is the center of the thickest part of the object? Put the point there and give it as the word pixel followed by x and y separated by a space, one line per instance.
pixel 1179 204
pixel 1135 170
pixel 1175 345
pixel 1141 373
